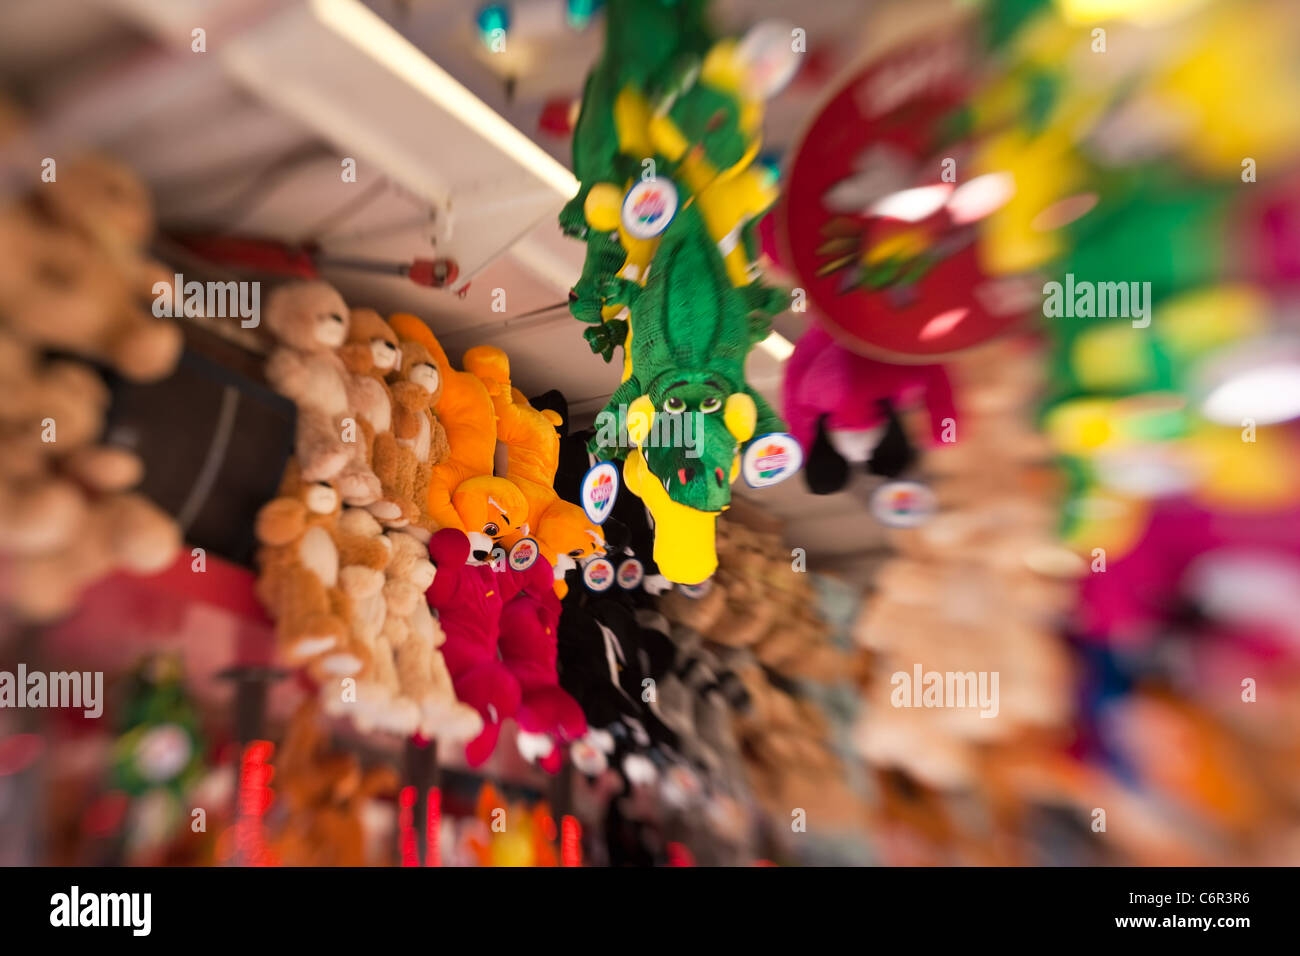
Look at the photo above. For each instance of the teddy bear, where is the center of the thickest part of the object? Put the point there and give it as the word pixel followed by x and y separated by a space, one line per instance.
pixel 58 289
pixel 417 430
pixel 325 795
pixel 75 274
pixel 298 563
pixel 67 516
pixel 370 354
pixel 309 321
pixel 363 553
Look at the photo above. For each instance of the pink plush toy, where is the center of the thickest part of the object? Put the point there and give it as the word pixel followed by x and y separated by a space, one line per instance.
pixel 1234 575
pixel 843 407
pixel 468 598
pixel 529 622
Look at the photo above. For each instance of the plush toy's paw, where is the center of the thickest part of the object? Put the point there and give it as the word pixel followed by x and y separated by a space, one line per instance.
pixel 359 486
pixel 318 636
pixel 601 451
pixel 573 220
pixel 389 511
pixel 604 338
pixel 478 750
pixel 551 710
pixel 553 761
pixel 615 290
pixel 491 690
pixel 323 464
pixel 585 308
pixel 764 299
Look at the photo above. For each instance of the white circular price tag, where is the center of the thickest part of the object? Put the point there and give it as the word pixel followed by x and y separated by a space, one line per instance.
pixel 771 459
pixel 649 206
pixel 599 491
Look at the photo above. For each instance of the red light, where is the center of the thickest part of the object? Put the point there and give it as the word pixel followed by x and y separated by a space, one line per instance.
pixel 570 841
pixel 432 836
pixel 255 796
pixel 406 827
pixel 678 855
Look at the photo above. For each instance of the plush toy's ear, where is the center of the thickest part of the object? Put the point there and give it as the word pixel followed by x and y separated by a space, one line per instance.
pixel 740 415
pixel 617 535
pixel 640 417
pixel 894 453
pixel 824 471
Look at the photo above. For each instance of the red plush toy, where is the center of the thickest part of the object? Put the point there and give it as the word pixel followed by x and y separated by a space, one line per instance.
pixel 468 596
pixel 529 622
pixel 483 611
pixel 844 407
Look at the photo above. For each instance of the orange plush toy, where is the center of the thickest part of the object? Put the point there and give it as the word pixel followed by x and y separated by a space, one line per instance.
pixel 463 494
pixel 563 533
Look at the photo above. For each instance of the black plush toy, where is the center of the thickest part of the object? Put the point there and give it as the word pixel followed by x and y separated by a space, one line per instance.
pixel 608 660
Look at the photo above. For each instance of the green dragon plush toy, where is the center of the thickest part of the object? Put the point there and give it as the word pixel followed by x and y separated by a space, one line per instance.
pixel 671 198
pixel 686 132
pixel 686 411
pixel 642 38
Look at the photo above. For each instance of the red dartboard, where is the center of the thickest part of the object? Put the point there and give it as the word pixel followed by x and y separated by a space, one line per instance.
pixel 878 226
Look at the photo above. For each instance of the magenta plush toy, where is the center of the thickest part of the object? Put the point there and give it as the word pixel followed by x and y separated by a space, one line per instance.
pixel 501 646
pixel 844 407
pixel 530 621
pixel 468 599
pixel 1212 573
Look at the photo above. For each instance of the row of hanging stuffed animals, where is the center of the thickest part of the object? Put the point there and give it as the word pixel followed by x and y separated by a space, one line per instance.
pixel 423 592
pixel 391 495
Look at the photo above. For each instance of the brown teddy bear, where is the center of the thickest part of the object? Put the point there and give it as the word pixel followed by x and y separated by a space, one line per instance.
pixel 65 516
pixel 299 566
pixel 309 321
pixel 326 795
pixel 371 353
pixel 417 387
pixel 364 552
pixel 59 289
pixel 106 201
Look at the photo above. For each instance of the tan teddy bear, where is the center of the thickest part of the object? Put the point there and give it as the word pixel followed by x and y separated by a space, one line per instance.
pixel 299 566
pixel 417 387
pixel 105 200
pixel 371 353
pixel 65 517
pixel 309 321
pixel 59 289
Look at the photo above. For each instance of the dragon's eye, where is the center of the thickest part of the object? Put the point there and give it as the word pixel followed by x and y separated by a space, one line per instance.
pixel 575 553
pixel 710 405
pixel 674 405
pixel 491 530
